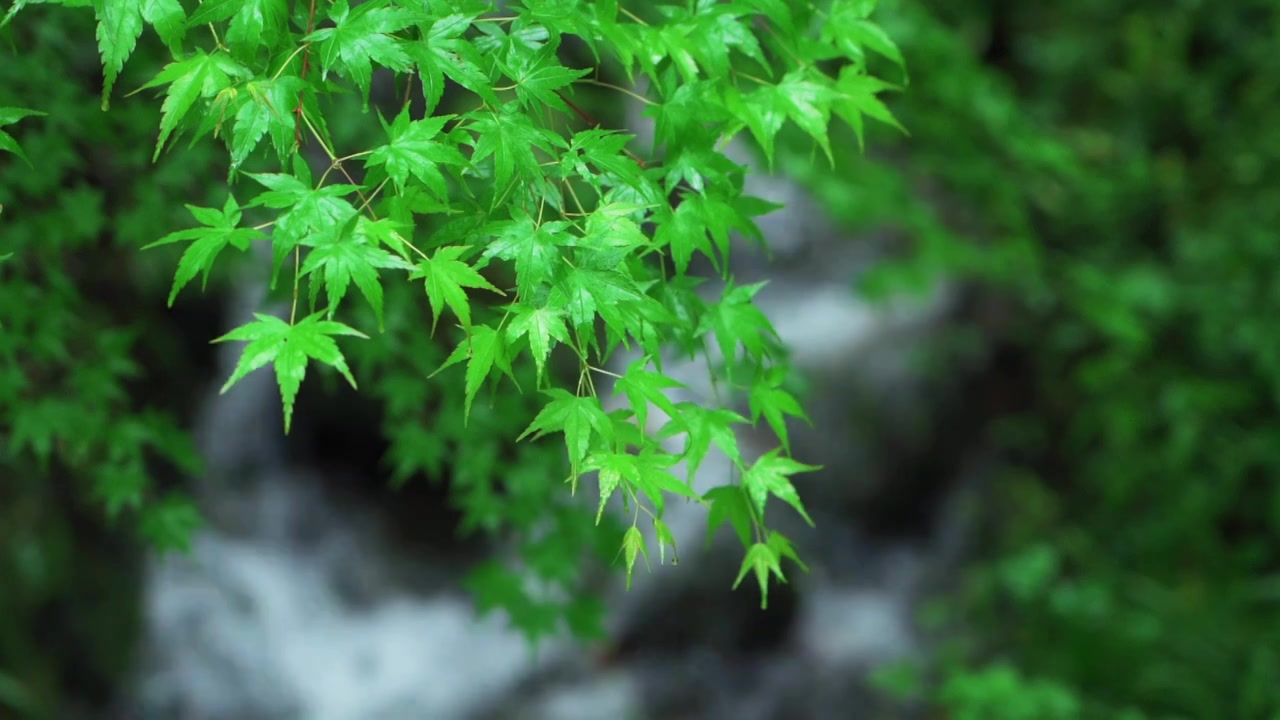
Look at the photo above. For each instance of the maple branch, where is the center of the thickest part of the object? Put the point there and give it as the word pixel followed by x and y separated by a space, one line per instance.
pixel 306 63
pixel 586 118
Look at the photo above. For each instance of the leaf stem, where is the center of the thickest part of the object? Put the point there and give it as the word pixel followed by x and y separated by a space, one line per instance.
pixel 632 94
pixel 635 18
pixel 297 277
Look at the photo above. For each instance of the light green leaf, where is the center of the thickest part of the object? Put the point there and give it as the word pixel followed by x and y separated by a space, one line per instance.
pixel 168 19
pixel 762 560
pixel 703 427
pixel 119 27
pixel 446 277
pixel 543 326
pixel 857 97
pixel 534 248
pixel 511 137
pixel 8 116
pixel 767 398
pixel 577 417
pixel 632 547
pixel 221 230
pixel 346 259
pixel 665 540
pixel 484 349
pixel 272 340
pixel 729 504
pixel 199 76
pixel 643 387
pixel 360 38
pixel 736 321
pixel 770 475
pixel 414 151
pixel 609 479
pixel 258 23
pixel 538 81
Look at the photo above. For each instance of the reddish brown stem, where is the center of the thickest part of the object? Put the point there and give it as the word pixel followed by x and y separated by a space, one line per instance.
pixel 586 118
pixel 306 63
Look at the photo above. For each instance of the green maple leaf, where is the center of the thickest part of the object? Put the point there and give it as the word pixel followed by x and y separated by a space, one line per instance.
pixel 808 103
pixel 272 340
pixel 199 76
pixel 170 523
pixel 735 320
pixel 666 539
pixel 510 136
pixel 857 97
pixel 14 9
pixel 647 471
pixel 214 11
pixel 8 116
pixel 413 151
pixel 715 33
pixel 643 387
pixel 611 235
pixel 765 559
pixel 720 219
pixel 360 38
pixel 221 229
pixel 484 349
pixel 632 547
pixel 803 96
pixel 538 79
pixel 534 248
pixel 703 427
pixel 168 19
pixel 609 478
pixel 767 398
pixel 543 326
pixel 654 477
pixel 605 150
pixel 779 12
pixel 322 209
pixel 848 28
pixel 675 42
pixel 257 23
pixel 729 503
pixel 119 27
pixel 770 476
pixel 268 109
pixel 120 485
pixel 446 277
pixel 386 233
pixel 346 259
pixel 442 52
pixel 579 418
pixel 586 292
pixel 684 232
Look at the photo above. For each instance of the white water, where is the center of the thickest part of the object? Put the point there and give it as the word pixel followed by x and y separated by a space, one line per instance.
pixel 286 609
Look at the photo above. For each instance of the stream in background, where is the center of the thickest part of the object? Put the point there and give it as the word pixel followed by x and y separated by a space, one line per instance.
pixel 297 604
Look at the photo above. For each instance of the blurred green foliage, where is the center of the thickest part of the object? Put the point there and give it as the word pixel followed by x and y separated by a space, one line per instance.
pixel 1114 170
pixel 83 373
pixel 1108 168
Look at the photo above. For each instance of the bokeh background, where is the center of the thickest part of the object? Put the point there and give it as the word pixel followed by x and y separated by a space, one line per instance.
pixel 1095 183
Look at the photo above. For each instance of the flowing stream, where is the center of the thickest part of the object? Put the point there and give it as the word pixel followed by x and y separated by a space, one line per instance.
pixel 292 605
